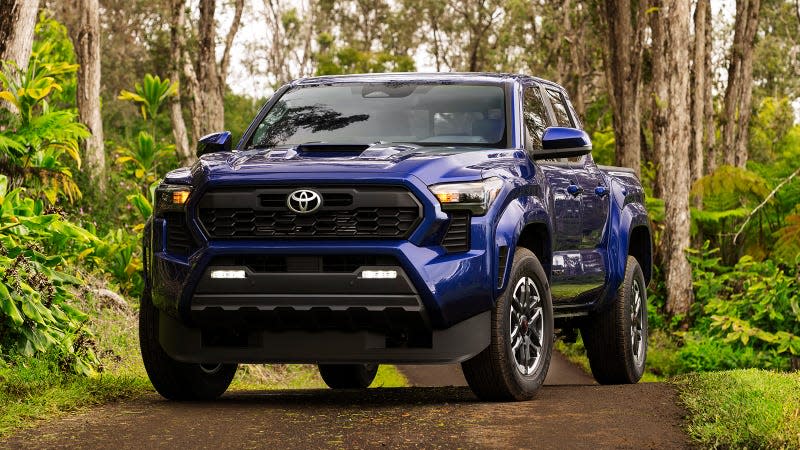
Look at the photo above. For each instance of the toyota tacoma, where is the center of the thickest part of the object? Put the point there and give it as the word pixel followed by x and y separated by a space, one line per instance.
pixel 397 218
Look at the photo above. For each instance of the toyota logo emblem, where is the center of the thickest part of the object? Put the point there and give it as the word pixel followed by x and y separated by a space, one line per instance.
pixel 304 201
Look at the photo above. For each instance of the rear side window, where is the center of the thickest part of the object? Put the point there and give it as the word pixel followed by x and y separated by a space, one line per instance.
pixel 559 108
pixel 535 118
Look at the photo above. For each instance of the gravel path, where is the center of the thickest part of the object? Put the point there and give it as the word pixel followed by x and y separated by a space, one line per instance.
pixel 578 414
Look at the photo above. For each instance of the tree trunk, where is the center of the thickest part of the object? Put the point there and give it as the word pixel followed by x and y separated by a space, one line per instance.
pixel 738 93
pixel 699 87
pixel 207 106
pixel 17 22
pixel 674 43
pixel 178 19
pixel 709 143
pixel 87 49
pixel 660 97
pixel 623 61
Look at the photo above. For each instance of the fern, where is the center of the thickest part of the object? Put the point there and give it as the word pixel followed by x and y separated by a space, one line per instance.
pixel 730 188
pixel 787 245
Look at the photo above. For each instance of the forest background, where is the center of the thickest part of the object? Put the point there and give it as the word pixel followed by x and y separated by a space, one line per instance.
pixel 100 98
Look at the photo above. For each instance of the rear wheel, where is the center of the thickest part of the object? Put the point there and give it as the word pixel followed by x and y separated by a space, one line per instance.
pixel 173 379
pixel 616 338
pixel 348 376
pixel 515 364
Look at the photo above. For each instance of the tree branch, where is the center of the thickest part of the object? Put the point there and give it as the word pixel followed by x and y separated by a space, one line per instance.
pixel 769 197
pixel 226 55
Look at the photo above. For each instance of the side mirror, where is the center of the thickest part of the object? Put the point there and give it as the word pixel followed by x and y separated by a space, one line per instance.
pixel 560 142
pixel 214 142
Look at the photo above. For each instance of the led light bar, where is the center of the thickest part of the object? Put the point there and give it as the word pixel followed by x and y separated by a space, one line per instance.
pixel 379 274
pixel 228 274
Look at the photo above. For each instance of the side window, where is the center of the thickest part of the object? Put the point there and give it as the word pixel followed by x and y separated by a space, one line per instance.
pixel 535 117
pixel 559 108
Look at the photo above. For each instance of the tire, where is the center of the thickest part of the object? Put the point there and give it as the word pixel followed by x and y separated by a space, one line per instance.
pixel 173 379
pixel 616 338
pixel 501 372
pixel 348 376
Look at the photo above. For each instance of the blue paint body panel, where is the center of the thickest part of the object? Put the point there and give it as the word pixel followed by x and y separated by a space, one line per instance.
pixel 585 214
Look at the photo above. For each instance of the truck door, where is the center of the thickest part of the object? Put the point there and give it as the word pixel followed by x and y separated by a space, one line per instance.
pixel 592 193
pixel 565 206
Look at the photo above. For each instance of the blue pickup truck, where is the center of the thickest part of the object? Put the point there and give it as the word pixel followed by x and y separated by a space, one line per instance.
pixel 397 218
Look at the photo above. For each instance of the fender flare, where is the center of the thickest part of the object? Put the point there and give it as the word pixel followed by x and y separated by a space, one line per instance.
pixel 517 215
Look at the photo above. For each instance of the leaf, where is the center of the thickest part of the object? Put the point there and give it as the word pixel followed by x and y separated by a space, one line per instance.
pixel 9 306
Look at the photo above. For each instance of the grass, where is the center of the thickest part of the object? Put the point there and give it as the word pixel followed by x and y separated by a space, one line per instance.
pixel 661 356
pixel 301 376
pixel 34 388
pixel 748 408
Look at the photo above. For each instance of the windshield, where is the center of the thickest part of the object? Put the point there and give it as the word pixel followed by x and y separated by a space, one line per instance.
pixel 367 113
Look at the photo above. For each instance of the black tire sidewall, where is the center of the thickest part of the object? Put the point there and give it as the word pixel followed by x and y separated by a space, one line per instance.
pixel 633 273
pixel 525 266
pixel 173 379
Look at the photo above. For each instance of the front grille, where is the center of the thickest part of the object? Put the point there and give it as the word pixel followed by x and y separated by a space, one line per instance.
pixel 305 264
pixel 457 237
pixel 346 212
pixel 179 239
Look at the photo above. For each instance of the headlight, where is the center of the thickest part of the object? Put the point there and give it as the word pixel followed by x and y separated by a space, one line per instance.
pixel 475 196
pixel 171 197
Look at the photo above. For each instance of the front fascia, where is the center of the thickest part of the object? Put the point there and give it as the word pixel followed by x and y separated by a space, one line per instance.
pixel 453 287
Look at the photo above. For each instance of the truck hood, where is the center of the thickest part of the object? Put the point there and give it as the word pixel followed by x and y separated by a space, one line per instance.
pixel 429 164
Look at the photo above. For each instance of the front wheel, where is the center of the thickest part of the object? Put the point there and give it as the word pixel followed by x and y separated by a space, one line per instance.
pixel 348 376
pixel 514 365
pixel 173 379
pixel 616 338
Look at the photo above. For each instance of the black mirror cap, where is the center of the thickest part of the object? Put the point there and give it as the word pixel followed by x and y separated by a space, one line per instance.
pixel 563 142
pixel 214 142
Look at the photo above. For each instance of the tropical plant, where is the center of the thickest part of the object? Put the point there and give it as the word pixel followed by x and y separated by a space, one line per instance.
pixel 144 155
pixel 36 294
pixel 39 146
pixel 150 94
pixel 752 304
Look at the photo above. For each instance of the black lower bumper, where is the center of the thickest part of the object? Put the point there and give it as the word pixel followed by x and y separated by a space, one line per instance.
pixel 195 345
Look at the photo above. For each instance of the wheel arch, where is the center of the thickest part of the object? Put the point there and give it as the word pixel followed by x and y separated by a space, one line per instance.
pixel 524 222
pixel 640 246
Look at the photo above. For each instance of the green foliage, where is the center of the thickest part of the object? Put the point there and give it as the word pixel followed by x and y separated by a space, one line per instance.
pixel 36 294
pixel 727 196
pixel 743 408
pixel 36 388
pixel 143 157
pixel 787 245
pixel 752 305
pixel 239 112
pixel 150 94
pixel 603 145
pixel 53 45
pixel 773 120
pixel 333 60
pixel 39 145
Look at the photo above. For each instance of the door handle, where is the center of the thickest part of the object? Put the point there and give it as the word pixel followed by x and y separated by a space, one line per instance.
pixel 574 189
pixel 601 191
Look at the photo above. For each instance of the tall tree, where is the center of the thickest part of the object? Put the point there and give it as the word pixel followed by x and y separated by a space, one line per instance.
pixel 86 40
pixel 671 42
pixel 206 79
pixel 177 44
pixel 739 91
pixel 17 22
pixel 625 23
pixel 702 109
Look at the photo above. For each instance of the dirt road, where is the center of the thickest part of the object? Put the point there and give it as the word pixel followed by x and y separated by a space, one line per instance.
pixel 575 415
